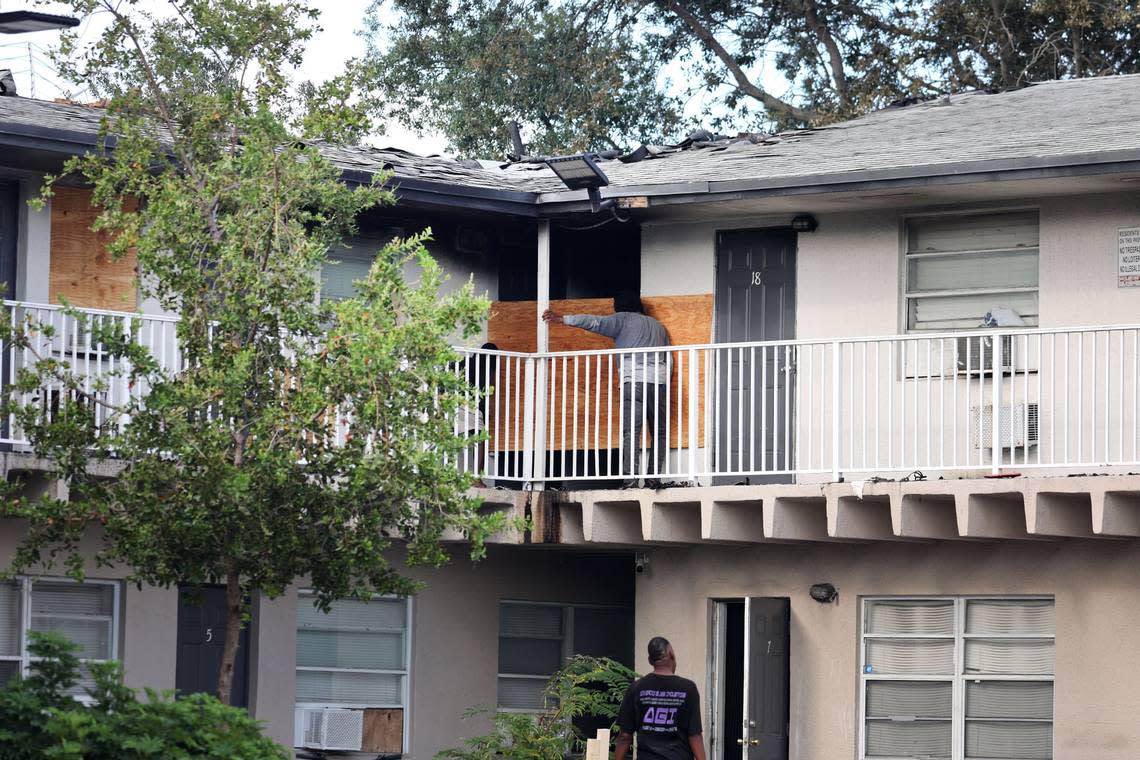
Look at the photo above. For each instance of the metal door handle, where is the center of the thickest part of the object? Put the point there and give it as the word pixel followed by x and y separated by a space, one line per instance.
pixel 749 742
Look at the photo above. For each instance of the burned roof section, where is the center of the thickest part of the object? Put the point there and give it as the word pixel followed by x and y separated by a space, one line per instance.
pixel 1052 124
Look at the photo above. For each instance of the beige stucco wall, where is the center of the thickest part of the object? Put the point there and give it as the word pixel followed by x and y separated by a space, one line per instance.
pixel 1097 695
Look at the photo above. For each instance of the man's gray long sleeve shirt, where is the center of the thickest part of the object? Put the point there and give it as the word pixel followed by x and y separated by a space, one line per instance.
pixel 631 330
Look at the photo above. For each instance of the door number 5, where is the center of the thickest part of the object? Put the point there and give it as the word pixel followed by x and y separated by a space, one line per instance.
pixel 757 278
pixel 209 635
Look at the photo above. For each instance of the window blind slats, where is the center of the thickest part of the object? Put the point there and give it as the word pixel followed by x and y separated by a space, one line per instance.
pixel 92 636
pixel 72 598
pixel 521 693
pixel 1002 616
pixel 9 619
pixel 1009 657
pixel 540 657
pixel 965 312
pixel 919 699
pixel 973 232
pixel 1009 741
pixel 911 656
pixel 926 739
pixel 352 613
pixel 907 616
pixel 999 269
pixel 324 687
pixel 530 620
pixel 1009 699
pixel 333 649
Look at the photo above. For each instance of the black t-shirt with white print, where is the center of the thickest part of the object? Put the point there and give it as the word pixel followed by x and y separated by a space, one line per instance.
pixel 664 711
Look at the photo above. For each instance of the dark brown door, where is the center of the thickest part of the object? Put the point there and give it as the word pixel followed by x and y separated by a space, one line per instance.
pixel 755 301
pixel 201 634
pixel 766 679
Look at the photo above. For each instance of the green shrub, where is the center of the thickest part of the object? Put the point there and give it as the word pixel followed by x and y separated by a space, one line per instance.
pixel 40 719
pixel 587 690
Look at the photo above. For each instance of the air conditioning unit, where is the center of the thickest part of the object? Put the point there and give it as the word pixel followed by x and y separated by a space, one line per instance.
pixel 975 355
pixel 324 729
pixel 1017 426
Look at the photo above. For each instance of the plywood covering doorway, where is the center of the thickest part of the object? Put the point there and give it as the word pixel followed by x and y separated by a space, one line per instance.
pixel 82 271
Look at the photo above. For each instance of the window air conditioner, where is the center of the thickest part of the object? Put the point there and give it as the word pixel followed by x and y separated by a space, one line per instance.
pixel 323 729
pixel 975 354
pixel 1018 426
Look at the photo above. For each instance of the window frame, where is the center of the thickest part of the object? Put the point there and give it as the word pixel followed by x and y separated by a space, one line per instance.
pixel 24 658
pixel 567 639
pixel 958 678
pixel 907 257
pixel 405 674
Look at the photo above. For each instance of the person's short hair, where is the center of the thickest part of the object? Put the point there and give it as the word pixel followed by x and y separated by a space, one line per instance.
pixel 658 649
pixel 627 300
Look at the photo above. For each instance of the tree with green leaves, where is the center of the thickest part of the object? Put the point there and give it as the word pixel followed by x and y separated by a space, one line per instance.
pixel 293 438
pixel 595 74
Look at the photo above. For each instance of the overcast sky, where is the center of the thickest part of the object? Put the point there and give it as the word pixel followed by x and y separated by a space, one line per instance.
pixel 326 54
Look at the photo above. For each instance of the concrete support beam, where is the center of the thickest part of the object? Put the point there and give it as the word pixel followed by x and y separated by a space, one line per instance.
pixel 1059 513
pixel 925 515
pixel 1117 513
pixel 676 522
pixel 796 518
pixel 732 521
pixel 866 518
pixel 992 515
pixel 612 518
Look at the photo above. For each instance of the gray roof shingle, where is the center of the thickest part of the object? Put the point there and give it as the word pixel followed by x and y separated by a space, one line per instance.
pixel 1054 122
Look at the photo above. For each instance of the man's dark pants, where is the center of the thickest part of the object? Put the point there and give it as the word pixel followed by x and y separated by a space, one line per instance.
pixel 643 405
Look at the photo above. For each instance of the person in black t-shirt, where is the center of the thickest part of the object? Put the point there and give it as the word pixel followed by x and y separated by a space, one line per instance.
pixel 663 709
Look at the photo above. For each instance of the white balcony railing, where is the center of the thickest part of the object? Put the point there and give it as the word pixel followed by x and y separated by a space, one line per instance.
pixel 1067 399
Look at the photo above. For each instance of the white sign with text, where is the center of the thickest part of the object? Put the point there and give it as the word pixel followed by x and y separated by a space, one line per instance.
pixel 1128 243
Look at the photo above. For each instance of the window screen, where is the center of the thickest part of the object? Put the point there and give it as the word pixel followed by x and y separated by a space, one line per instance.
pixel 535 640
pixel 349 263
pixel 354 655
pixel 84 613
pixel 979 669
pixel 959 268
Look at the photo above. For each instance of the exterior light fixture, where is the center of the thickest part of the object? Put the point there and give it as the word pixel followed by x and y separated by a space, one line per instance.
pixel 582 173
pixel 19 22
pixel 804 223
pixel 824 593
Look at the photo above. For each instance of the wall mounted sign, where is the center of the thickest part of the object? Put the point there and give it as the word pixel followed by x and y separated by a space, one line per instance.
pixel 1128 243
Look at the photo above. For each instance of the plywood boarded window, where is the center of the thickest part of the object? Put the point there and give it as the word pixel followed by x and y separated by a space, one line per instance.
pixel 82 270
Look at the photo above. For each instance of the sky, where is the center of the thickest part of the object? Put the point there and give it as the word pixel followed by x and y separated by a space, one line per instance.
pixel 324 58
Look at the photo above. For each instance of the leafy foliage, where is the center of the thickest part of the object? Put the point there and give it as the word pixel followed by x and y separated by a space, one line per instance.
pixel 585 687
pixel 293 438
pixel 463 68
pixel 39 718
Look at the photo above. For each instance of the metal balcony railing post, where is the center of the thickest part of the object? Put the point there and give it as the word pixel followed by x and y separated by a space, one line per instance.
pixel 539 403
pixel 694 403
pixel 836 410
pixel 996 376
pixel 529 399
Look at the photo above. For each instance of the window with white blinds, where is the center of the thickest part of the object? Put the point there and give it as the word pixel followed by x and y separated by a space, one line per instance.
pixel 957 678
pixel 536 639
pixel 960 267
pixel 349 263
pixel 355 655
pixel 85 613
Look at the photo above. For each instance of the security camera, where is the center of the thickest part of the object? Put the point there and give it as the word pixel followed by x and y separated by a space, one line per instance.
pixel 640 562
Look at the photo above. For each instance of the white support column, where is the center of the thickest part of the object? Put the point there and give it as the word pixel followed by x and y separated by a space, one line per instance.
pixel 541 383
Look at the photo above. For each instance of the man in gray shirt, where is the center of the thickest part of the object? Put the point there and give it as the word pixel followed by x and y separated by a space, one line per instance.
pixel 644 379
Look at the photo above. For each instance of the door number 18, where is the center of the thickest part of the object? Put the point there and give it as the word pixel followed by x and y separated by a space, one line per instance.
pixel 757 278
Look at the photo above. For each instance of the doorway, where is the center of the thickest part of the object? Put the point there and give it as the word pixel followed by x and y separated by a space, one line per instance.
pixel 750 679
pixel 201 636
pixel 755 301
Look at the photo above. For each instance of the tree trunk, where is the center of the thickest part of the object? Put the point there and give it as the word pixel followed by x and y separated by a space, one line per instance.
pixel 234 611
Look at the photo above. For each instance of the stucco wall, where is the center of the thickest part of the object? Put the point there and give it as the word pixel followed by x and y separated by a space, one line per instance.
pixel 1097 605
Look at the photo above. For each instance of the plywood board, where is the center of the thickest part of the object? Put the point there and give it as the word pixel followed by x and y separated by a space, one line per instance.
pixel 590 406
pixel 82 271
pixel 383 731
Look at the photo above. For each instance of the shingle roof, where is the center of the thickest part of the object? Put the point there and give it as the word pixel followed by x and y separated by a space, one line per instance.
pixel 1052 123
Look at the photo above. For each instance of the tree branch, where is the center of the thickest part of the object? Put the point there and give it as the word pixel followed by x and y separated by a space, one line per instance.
pixel 743 83
pixel 838 72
